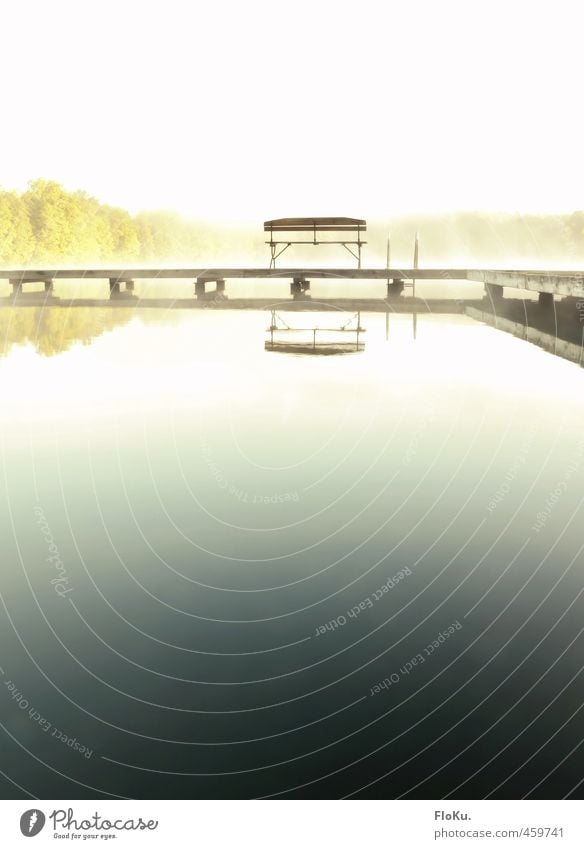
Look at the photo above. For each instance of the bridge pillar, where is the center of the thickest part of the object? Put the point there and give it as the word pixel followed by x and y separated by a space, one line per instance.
pixel 493 293
pixel 299 287
pixel 395 288
pixel 18 283
pixel 546 300
pixel 217 294
pixel 115 284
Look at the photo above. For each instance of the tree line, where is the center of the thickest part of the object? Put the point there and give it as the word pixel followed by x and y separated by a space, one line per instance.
pixel 46 224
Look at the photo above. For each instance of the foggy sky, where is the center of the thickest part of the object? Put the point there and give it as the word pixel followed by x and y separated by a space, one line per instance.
pixel 245 111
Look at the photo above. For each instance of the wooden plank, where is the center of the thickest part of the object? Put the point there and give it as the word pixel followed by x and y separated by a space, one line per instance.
pixel 31 275
pixel 553 282
pixel 317 242
pixel 319 229
pixel 288 223
pixel 558 282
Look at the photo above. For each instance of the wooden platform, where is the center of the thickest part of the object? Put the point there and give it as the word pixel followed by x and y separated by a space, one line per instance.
pixel 561 283
pixel 212 274
pixel 321 349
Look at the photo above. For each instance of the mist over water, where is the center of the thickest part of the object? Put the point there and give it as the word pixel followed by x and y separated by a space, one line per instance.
pixel 233 573
pixel 447 240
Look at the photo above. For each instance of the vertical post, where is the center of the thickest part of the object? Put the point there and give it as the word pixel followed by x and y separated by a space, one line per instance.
pixel 114 286
pixel 387 260
pixel 199 288
pixel 272 249
pixel 358 328
pixel 416 260
pixel 48 286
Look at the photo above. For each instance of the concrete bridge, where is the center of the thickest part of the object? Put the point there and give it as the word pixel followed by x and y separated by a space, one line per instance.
pixel 122 281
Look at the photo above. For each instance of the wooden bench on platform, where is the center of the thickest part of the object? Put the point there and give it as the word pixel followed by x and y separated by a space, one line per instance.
pixel 316 226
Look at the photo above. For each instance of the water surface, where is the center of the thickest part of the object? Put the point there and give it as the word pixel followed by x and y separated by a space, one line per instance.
pixel 234 573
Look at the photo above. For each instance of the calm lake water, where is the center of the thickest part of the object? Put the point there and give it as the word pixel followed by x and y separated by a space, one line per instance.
pixel 228 572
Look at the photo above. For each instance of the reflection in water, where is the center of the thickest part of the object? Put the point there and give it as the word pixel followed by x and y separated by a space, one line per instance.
pixel 55 329
pixel 230 574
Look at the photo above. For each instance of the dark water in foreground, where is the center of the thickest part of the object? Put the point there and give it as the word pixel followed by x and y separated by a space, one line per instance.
pixel 233 573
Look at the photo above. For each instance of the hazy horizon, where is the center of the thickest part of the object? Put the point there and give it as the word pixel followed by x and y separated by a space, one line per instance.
pixel 50 226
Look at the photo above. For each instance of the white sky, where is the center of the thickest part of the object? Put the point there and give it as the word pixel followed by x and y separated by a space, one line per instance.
pixel 252 109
